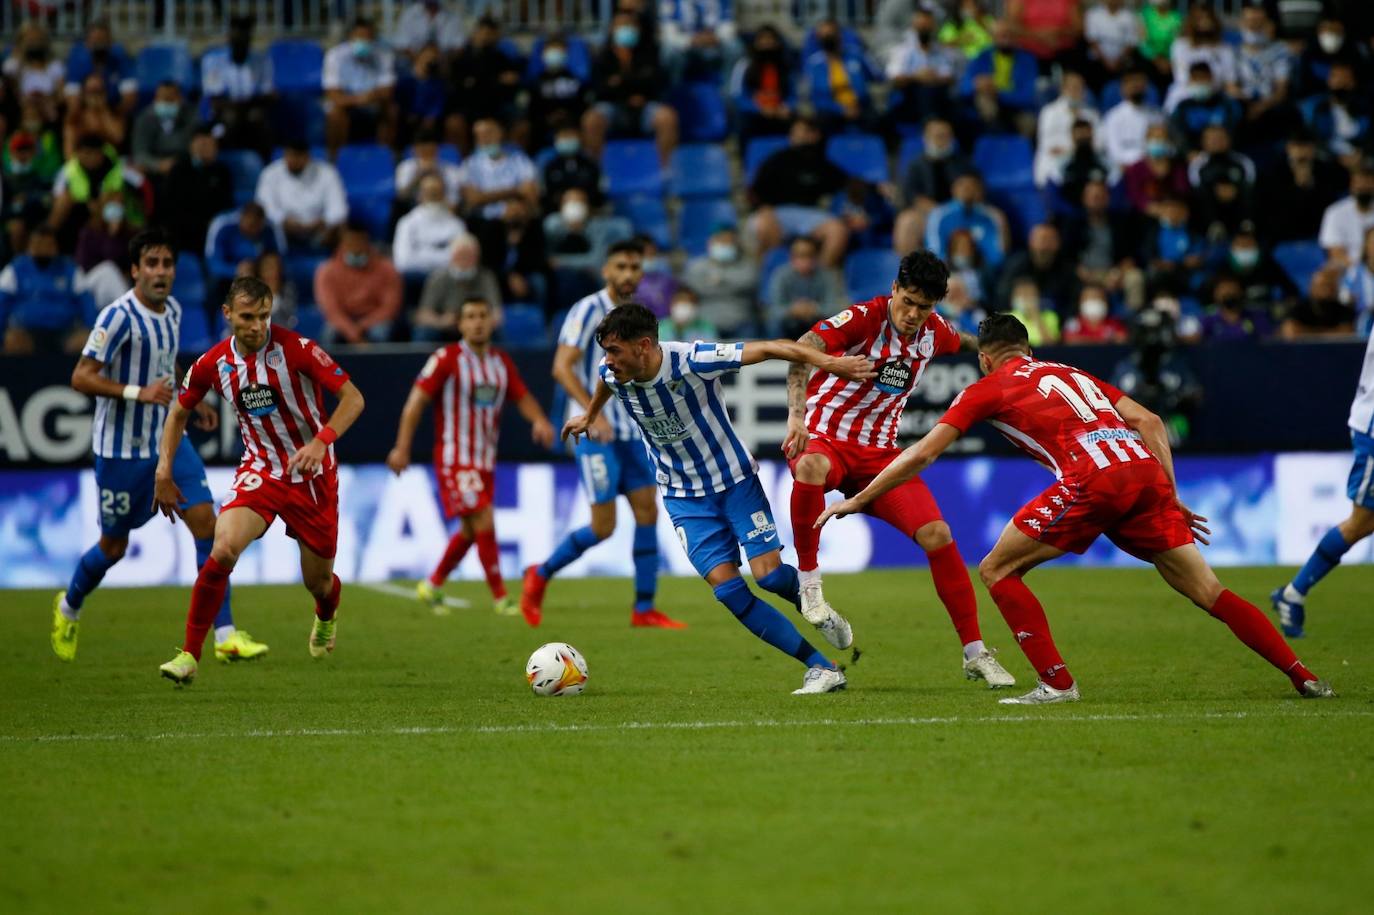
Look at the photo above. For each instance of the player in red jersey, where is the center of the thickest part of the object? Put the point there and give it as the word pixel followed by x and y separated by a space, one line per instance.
pixel 1116 477
pixel 841 434
pixel 468 383
pixel 275 379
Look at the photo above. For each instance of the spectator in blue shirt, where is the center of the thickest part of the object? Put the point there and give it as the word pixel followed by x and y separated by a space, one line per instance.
pixel 234 241
pixel 837 79
pixel 966 210
pixel 1204 105
pixel 41 310
pixel 420 93
pixel 1340 118
pixel 1002 73
pixel 98 54
pixel 1172 253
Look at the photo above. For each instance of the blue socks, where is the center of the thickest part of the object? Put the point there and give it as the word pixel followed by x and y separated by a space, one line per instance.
pixel 646 566
pixel 1324 558
pixel 573 546
pixel 225 616
pixel 767 623
pixel 783 582
pixel 90 571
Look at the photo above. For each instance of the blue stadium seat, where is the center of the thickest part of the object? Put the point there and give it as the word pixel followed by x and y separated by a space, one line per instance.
pixel 698 217
pixel 756 151
pixel 1005 161
pixel 1024 207
pixel 373 211
pixel 648 215
pixel 299 115
pixel 632 167
pixel 522 327
pixel 1300 259
pixel 164 61
pixel 297 65
pixel 317 151
pixel 367 169
pixel 869 272
pixel 244 165
pixel 191 291
pixel 309 321
pixel 300 268
pixel 910 149
pixel 701 112
pixel 862 155
pixel 700 170
pixel 771 262
pixel 196 335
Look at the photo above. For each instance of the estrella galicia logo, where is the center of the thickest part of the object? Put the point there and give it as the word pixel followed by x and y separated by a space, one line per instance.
pixel 893 377
pixel 484 395
pixel 257 400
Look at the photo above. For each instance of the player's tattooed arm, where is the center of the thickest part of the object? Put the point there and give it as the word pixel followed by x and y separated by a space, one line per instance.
pixel 798 376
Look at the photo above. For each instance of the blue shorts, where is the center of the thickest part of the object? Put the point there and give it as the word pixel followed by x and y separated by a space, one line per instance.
pixel 799 220
pixel 712 528
pixel 126 488
pixel 1361 485
pixel 613 468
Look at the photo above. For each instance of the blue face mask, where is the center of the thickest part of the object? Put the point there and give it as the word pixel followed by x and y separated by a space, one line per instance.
pixel 166 110
pixel 1158 149
pixel 568 146
pixel 361 47
pixel 357 260
pixel 490 150
pixel 113 211
pixel 626 36
pixel 1245 258
pixel 555 58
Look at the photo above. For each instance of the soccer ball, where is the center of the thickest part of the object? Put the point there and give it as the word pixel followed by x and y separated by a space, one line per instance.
pixel 556 669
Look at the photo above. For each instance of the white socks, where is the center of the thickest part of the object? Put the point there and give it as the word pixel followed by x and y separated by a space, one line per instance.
pixel 222 634
pixel 68 611
pixel 1292 595
pixel 973 649
pixel 806 578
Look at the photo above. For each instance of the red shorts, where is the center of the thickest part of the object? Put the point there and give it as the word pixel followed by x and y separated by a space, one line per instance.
pixel 310 510
pixel 464 490
pixel 1133 504
pixel 908 507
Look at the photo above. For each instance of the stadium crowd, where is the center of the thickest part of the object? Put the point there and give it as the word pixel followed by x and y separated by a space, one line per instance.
pixel 1076 163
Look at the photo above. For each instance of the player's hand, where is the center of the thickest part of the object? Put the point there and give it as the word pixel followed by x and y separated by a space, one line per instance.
pixel 206 417
pixel 797 437
pixel 542 433
pixel 575 428
pixel 601 431
pixel 1198 524
pixel 838 510
pixel 397 460
pixel 308 459
pixel 167 497
pixel 159 392
pixel 853 368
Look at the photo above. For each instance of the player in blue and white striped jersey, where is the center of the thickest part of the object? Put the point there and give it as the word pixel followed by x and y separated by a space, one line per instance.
pixel 1290 601
pixel 611 457
pixel 129 366
pixel 708 477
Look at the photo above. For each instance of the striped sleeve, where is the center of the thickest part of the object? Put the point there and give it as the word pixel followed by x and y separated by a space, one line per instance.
pixel 575 331
pixel 110 331
pixel 711 360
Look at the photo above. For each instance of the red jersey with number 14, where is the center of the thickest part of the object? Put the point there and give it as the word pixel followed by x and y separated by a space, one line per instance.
pixel 869 412
pixel 277 393
pixel 468 392
pixel 1062 417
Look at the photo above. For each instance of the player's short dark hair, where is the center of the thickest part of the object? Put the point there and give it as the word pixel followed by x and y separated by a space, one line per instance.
pixel 147 240
pixel 628 246
pixel 922 271
pixel 630 321
pixel 1002 330
pixel 474 300
pixel 247 287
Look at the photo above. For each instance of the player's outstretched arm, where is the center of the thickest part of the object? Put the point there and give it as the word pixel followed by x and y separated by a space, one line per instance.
pixel 1156 437
pixel 798 376
pixel 909 463
pixel 581 425
pixel 416 402
pixel 87 379
pixel 309 458
pixel 855 368
pixel 541 430
pixel 564 361
pixel 166 494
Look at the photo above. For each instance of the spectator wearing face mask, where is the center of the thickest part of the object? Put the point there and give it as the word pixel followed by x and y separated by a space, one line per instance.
pixel 33 70
pixel 495 175
pixel 1331 45
pixel 1126 123
pixel 484 78
pixel 41 309
pixel 1265 71
pixel 238 88
pixel 1345 222
pixel 1105 245
pixel 837 79
pixel 102 251
pixel 1203 104
pixel 25 191
pixel 1340 119
pixel 1222 181
pixel 966 262
pixel 921 71
pixel 423 160
pixel 421 93
pixel 1055 141
pixel 928 182
pixel 1093 323
pixel 629 84
pixel 960 307
pixel 968 29
pixel 966 210
pixel 658 285
pixel 96 169
pixel 1229 316
pixel 1042 323
pixel 447 288
pixel 763 87
pixel 424 235
pixel 787 193
pixel 1002 75
pixel 1263 282
pixel 1048 264
pixel 359 82
pixel 1158 175
pixel 684 323
pixel 727 284
pixel 1085 164
pixel 1112 32
pixel 570 168
pixel 699 39
pixel 558 97
pixel 1322 313
pixel 800 292
pixel 1201 42
pixel 358 291
pixel 578 238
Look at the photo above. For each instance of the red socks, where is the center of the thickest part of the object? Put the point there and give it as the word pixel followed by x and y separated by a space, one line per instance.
pixel 955 589
pixel 453 554
pixel 325 610
pixel 808 501
pixel 206 598
pixel 1026 618
pixel 1252 627
pixel 490 554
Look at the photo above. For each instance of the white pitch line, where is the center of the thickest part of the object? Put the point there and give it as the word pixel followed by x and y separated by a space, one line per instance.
pixel 386 587
pixel 554 727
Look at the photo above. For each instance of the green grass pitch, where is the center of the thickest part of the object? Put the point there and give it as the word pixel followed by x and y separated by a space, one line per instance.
pixel 413 771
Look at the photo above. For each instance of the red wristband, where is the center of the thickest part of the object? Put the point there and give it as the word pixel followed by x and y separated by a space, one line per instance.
pixel 327 435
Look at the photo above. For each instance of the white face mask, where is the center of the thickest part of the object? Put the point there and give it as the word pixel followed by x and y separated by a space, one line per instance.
pixel 1093 309
pixel 722 252
pixel 574 211
pixel 1330 41
pixel 683 312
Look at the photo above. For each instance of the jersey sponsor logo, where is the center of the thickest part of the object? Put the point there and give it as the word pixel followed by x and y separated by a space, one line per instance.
pixel 275 359
pixel 762 527
pixel 257 400
pixel 665 428
pixel 484 395
pixel 1110 435
pixel 893 377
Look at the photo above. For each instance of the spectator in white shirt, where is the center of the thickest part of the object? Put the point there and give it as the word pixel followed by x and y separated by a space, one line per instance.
pixel 359 81
pixel 305 197
pixel 1346 221
pixel 698 37
pixel 34 70
pixel 1112 31
pixel 425 158
pixel 423 235
pixel 425 22
pixel 1124 127
pixel 237 85
pixel 1201 42
pixel 922 70
pixel 1054 134
pixel 494 174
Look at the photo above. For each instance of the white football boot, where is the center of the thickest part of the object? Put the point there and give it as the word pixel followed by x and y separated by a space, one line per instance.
pixel 1317 689
pixel 983 666
pixel 816 611
pixel 1043 694
pixel 821 680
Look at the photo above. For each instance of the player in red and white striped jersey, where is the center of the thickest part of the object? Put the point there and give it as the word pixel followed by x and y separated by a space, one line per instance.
pixel 1116 477
pixel 276 379
pixel 468 383
pixel 841 434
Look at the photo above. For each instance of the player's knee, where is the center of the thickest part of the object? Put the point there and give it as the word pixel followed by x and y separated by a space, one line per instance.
pixel 812 469
pixel 602 528
pixel 933 536
pixel 114 548
pixel 225 554
pixel 991 571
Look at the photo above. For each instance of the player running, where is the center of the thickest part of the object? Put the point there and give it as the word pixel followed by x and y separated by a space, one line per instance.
pixel 710 485
pixel 468 383
pixel 129 366
pixel 273 377
pixel 1116 477
pixel 1291 600
pixel 841 433
pixel 611 456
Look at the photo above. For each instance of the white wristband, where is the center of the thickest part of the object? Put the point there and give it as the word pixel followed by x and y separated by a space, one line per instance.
pixel 131 391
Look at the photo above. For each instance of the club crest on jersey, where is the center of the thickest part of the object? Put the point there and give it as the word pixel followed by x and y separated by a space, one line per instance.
pixel 257 400
pixel 275 359
pixel 893 377
pixel 762 527
pixel 484 395
pixel 665 428
pixel 926 345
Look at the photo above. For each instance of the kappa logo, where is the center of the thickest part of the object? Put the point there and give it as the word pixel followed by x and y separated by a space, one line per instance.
pixel 1045 511
pixel 1033 524
pixel 1057 501
pixel 1022 635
